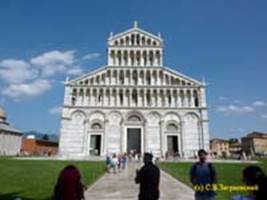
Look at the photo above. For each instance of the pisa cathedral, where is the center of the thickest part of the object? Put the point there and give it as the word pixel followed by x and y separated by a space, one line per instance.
pixel 134 102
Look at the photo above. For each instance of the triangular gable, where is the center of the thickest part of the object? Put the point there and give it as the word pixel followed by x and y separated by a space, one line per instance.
pixel 170 70
pixel 182 75
pixel 135 29
pixel 103 68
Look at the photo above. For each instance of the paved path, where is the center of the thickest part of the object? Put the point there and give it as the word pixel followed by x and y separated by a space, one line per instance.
pixel 121 186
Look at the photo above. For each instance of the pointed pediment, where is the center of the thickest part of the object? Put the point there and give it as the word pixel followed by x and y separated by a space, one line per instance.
pixel 142 35
pixel 135 30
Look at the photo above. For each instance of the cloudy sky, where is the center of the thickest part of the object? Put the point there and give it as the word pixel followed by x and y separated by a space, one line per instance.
pixel 224 41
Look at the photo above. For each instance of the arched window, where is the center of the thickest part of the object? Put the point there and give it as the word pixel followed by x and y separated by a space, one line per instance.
pixel 97 79
pixel 196 101
pixel 121 97
pixel 138 39
pixel 81 92
pixel 96 126
pixel 143 41
pixel 132 39
pixel 127 40
pixel 134 97
pixel 73 101
pixel 148 42
pixel 172 127
pixel 121 41
pixel 134 118
pixel 121 77
pixel 135 78
pixel 148 99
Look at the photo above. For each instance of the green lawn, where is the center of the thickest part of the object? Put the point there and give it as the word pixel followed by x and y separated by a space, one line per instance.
pixel 228 174
pixel 35 179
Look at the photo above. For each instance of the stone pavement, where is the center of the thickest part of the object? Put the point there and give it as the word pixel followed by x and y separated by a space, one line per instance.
pixel 121 186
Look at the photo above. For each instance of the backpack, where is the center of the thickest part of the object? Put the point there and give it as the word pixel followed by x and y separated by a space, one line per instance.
pixel 211 171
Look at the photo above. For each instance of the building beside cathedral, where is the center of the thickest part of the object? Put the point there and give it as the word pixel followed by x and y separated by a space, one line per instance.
pixel 134 102
pixel 10 138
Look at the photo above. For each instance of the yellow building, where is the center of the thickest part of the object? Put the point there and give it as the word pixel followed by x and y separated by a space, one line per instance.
pixel 255 143
pixel 219 147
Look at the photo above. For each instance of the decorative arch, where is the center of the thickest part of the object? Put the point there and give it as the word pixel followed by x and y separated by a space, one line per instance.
pixel 77 114
pixel 172 125
pixel 134 118
pixel 136 115
pixel 96 125
pixel 99 115
pixel 172 116
pixel 154 117
pixel 115 116
pixel 191 114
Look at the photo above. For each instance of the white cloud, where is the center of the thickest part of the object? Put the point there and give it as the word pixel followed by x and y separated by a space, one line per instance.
pixel 21 79
pixel 222 98
pixel 55 110
pixel 74 71
pixel 53 62
pixel 235 109
pixel 91 56
pixel 24 90
pixel 16 71
pixel 264 116
pixel 259 103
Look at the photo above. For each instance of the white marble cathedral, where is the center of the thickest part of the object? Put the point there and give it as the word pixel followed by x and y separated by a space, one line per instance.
pixel 134 103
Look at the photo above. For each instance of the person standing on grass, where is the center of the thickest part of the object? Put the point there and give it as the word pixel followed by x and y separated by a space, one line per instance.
pixel 203 176
pixel 69 185
pixel 148 177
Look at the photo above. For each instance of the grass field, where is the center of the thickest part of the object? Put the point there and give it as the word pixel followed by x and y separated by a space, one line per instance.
pixel 35 179
pixel 228 174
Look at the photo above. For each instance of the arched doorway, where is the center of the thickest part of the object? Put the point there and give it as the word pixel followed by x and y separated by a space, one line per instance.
pixel 133 140
pixel 173 139
pixel 96 135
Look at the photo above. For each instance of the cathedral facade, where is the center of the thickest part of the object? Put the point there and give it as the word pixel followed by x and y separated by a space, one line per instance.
pixel 135 102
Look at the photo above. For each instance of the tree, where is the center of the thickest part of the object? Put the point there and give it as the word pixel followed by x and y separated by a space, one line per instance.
pixel 233 140
pixel 45 137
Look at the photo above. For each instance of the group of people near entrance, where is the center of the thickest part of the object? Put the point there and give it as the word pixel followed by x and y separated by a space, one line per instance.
pixel 116 162
pixel 202 174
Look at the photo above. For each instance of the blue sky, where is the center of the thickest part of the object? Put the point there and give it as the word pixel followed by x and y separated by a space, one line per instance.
pixel 41 42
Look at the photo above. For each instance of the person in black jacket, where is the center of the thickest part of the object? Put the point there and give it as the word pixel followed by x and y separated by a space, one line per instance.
pixel 148 177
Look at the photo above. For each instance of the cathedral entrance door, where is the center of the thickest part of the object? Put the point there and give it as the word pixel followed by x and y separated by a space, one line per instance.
pixel 95 145
pixel 172 142
pixel 134 139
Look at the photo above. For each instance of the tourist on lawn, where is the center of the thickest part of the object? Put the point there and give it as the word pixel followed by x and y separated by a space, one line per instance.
pixel 203 174
pixel 148 177
pixel 69 185
pixel 254 176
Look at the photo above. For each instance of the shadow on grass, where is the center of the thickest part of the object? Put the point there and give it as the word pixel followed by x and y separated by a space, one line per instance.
pixel 13 195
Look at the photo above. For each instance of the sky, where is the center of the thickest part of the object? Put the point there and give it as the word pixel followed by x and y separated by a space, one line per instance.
pixel 225 42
